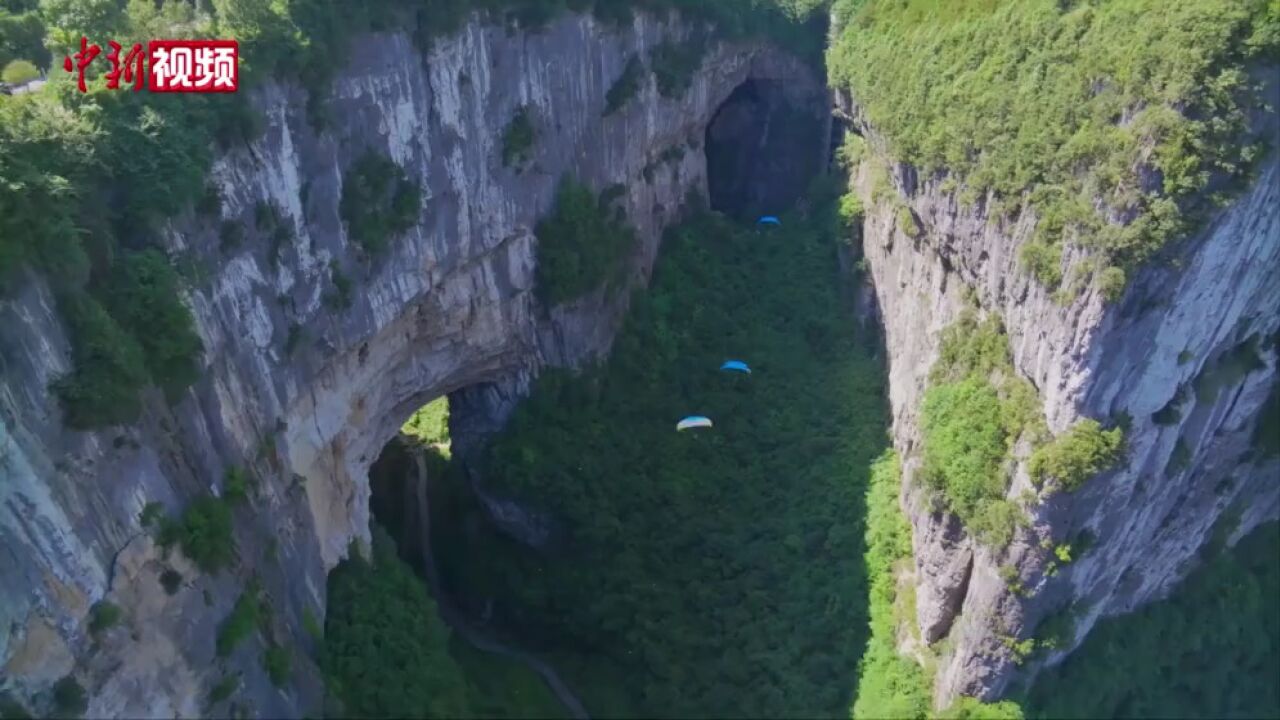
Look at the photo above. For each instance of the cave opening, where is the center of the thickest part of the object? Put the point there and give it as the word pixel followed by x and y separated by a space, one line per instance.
pixel 764 146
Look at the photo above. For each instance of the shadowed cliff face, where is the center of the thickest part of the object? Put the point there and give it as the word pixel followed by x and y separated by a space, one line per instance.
pixel 762 149
pixel 303 392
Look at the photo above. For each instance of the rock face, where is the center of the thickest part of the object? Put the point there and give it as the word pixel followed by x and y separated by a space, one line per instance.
pixel 750 172
pixel 1176 338
pixel 304 391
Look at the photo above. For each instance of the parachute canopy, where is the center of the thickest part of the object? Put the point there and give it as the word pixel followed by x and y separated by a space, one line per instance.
pixel 693 421
pixel 769 220
pixel 737 365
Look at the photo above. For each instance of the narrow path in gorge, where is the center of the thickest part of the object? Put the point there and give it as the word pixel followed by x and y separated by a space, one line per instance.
pixel 455 620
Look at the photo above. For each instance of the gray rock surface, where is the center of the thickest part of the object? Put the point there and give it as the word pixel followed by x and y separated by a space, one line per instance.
pixel 449 307
pixel 1176 320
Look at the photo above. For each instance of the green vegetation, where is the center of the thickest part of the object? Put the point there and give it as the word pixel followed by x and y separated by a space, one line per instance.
pixel 223 689
pixel 279 665
pixel 580 246
pixel 236 484
pixel 340 297
pixel 69 699
pixel 1266 436
pixel 714 573
pixel 430 424
pixel 518 139
pixel 245 617
pixel 203 532
pixel 625 87
pixel 1142 105
pixel 152 513
pixel 103 616
pixel 889 685
pixel 18 72
pixel 967 708
pixel 385 649
pixel 1210 650
pixel 378 202
pixel 142 299
pixel 1228 370
pixel 22 35
pixel 974 412
pixel 1076 455
pixel 102 389
pixel 674 65
pixel 79 173
pixel 312 626
pixel 907 222
pixel 11 709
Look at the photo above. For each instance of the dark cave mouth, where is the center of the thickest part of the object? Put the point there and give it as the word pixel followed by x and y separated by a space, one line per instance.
pixel 763 149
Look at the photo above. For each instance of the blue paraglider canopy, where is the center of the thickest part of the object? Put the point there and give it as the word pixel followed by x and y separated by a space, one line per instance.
pixel 737 365
pixel 693 421
pixel 769 220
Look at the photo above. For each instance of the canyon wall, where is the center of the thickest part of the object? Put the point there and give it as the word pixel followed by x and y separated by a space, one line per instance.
pixel 1175 339
pixel 303 391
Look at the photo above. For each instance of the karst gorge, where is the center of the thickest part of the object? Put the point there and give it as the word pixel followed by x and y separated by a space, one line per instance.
pixel 354 393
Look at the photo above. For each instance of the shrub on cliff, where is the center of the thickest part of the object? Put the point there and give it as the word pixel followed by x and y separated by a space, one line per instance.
pixel 378 201
pixel 1211 650
pixel 203 532
pixel 518 139
pixel 625 87
pixel 1076 455
pixel 145 298
pixel 581 245
pixel 244 618
pixel 108 370
pixel 674 65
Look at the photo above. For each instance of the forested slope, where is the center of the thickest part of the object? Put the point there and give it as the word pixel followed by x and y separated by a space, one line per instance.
pixel 719 571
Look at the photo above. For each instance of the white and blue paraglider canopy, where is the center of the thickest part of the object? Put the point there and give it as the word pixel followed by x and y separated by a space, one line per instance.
pixel 736 365
pixel 768 220
pixel 693 421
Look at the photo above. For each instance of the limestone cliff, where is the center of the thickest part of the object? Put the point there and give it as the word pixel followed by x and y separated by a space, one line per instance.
pixel 305 392
pixel 1179 324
